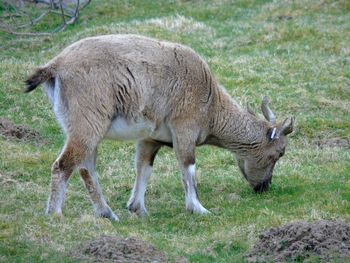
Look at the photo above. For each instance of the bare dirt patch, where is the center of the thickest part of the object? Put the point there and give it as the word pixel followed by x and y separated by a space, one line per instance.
pixel 333 142
pixel 302 241
pixel 9 130
pixel 116 249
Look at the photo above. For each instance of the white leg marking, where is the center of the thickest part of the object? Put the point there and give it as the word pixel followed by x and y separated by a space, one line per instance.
pixel 192 202
pixel 61 196
pixel 192 170
pixel 55 206
pixel 136 202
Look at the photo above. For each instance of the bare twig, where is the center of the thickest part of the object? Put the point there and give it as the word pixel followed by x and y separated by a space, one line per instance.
pixel 77 9
pixel 10 16
pixel 34 21
pixel 68 16
pixel 62 13
pixel 70 21
pixel 85 4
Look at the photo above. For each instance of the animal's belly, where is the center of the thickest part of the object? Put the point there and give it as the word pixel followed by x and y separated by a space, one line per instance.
pixel 124 130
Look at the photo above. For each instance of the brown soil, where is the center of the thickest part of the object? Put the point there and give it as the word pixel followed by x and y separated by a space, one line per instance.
pixel 9 130
pixel 322 240
pixel 333 142
pixel 116 249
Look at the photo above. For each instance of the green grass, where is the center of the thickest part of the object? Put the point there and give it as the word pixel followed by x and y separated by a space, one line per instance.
pixel 301 63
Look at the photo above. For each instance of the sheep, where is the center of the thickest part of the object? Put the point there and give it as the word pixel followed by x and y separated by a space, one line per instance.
pixel 129 87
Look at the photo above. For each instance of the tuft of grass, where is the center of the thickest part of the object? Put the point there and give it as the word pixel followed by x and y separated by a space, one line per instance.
pixel 297 53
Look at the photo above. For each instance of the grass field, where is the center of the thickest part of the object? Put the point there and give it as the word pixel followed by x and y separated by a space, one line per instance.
pixel 296 52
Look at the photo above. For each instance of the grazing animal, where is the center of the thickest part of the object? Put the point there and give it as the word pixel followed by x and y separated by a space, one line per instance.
pixel 129 87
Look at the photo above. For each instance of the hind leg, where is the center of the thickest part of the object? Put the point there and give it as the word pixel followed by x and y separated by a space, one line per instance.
pixel 145 153
pixel 85 116
pixel 88 173
pixel 72 154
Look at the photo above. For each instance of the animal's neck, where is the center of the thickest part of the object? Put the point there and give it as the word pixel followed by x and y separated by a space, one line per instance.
pixel 233 127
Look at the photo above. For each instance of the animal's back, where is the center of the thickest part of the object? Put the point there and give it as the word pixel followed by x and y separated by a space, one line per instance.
pixel 141 73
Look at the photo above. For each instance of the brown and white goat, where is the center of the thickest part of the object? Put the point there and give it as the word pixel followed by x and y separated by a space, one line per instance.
pixel 128 87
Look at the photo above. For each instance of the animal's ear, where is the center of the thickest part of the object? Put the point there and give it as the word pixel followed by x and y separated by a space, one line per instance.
pixel 287 126
pixel 272 134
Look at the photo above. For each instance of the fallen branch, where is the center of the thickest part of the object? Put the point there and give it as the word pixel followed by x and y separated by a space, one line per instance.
pixel 31 34
pixel 34 21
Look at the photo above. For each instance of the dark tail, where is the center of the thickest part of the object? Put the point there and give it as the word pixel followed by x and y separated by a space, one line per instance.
pixel 38 77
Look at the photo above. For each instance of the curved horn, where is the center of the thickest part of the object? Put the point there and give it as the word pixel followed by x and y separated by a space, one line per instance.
pixel 267 112
pixel 287 126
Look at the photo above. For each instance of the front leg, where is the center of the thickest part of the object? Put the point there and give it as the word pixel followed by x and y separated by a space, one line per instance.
pixel 191 195
pixel 184 144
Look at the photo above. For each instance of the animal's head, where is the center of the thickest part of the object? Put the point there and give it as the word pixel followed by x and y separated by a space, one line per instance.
pixel 257 166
